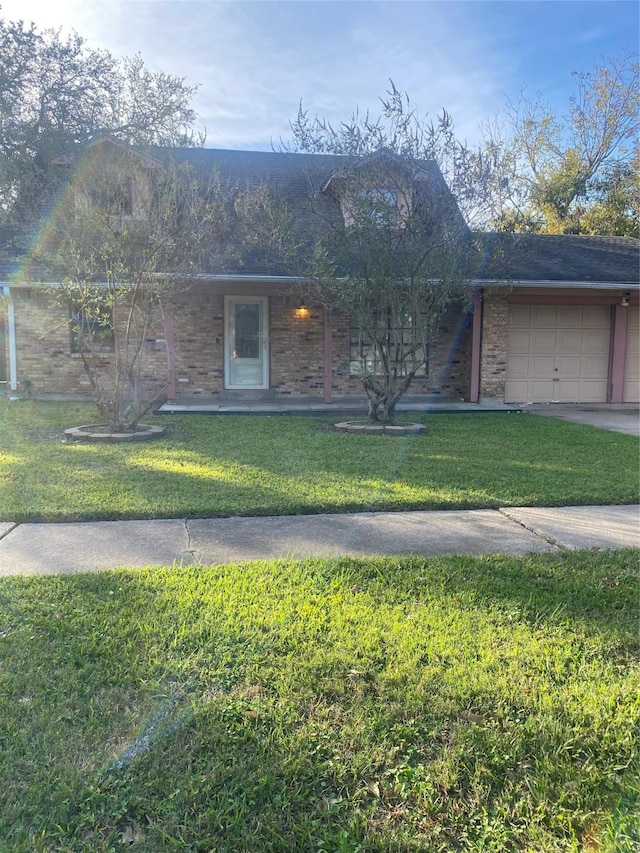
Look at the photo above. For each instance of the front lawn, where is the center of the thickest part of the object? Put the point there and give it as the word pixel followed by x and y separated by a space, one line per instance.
pixel 260 465
pixel 471 704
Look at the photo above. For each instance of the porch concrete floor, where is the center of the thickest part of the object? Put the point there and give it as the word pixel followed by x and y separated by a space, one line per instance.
pixel 353 405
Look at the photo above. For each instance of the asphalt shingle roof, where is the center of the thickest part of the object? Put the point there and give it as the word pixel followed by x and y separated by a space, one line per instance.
pixel 282 168
pixel 560 258
pixel 508 257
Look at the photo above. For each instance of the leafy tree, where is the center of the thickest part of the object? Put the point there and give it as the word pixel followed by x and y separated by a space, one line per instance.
pixel 552 169
pixel 120 258
pixel 615 202
pixel 56 92
pixel 470 172
pixel 134 227
pixel 384 241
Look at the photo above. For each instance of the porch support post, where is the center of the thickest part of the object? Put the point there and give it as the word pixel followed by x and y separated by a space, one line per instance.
pixel 618 354
pixel 5 291
pixel 476 339
pixel 169 335
pixel 328 346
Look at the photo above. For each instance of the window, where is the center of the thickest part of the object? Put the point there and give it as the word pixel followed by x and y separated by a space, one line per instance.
pixel 115 197
pixel 383 204
pixel 379 206
pixel 367 206
pixel 91 328
pixel 401 341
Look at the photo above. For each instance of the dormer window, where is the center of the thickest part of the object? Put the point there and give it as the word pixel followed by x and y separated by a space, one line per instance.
pixel 383 201
pixel 376 190
pixel 374 206
pixel 115 198
pixel 381 206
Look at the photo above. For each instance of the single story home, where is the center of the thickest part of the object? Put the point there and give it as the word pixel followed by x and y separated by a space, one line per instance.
pixel 561 323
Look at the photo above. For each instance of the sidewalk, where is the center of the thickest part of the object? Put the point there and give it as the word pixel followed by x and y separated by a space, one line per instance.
pixel 29 549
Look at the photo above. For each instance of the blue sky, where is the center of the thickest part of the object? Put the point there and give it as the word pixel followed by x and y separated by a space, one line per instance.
pixel 255 61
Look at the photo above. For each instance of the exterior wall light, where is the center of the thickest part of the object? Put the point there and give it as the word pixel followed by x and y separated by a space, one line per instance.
pixel 625 299
pixel 302 311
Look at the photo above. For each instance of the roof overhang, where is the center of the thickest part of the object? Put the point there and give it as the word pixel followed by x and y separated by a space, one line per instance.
pixel 233 278
pixel 203 278
pixel 239 279
pixel 582 285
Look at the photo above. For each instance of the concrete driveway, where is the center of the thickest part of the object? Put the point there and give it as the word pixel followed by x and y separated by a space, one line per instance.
pixel 623 417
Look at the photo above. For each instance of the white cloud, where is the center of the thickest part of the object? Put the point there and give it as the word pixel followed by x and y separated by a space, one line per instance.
pixel 254 61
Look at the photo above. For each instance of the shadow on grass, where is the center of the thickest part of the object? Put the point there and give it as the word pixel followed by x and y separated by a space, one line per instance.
pixel 232 752
pixel 262 466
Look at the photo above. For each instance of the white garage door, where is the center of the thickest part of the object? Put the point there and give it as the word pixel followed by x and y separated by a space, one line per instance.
pixel 557 353
pixel 632 371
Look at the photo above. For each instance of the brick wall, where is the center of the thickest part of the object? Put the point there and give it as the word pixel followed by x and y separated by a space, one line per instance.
pixel 493 352
pixel 450 357
pixel 199 343
pixel 45 360
pixel 45 363
pixel 296 345
pixel 297 348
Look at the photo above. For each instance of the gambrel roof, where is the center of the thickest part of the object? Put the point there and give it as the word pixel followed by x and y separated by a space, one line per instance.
pixel 512 258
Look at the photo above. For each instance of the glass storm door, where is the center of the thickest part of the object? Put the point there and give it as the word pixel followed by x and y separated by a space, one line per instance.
pixel 246 342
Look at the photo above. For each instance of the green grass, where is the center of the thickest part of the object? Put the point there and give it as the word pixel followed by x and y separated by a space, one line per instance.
pixel 451 704
pixel 258 465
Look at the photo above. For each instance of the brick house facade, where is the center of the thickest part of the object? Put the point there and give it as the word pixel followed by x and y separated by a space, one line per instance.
pixel 559 321
pixel 48 366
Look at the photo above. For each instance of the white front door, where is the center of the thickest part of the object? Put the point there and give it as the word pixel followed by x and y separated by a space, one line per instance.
pixel 246 342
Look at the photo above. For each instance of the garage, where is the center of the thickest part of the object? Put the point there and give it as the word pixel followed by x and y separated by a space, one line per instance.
pixel 558 353
pixel 632 367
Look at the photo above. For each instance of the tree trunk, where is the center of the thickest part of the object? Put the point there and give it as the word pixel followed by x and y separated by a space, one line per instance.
pixel 375 396
pixel 389 410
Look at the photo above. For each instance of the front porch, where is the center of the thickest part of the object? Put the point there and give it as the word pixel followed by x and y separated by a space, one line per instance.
pixel 283 404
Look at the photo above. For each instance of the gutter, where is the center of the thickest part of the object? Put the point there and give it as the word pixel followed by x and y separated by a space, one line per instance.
pixel 240 278
pixel 588 285
pixel 5 290
pixel 234 278
pixel 199 277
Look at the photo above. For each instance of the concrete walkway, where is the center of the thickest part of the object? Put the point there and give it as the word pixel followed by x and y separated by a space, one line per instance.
pixel 621 417
pixel 237 403
pixel 29 549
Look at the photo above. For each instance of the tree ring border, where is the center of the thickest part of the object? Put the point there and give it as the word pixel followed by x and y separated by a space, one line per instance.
pixel 99 433
pixel 369 428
